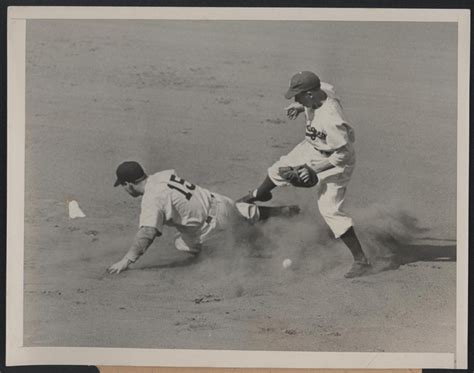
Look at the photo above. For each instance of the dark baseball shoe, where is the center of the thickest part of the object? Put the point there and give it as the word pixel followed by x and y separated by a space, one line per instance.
pixel 251 198
pixel 358 269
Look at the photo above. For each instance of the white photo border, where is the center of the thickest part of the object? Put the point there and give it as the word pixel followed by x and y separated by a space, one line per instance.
pixel 17 354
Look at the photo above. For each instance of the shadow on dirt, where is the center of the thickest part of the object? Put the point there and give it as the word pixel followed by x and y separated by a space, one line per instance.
pixel 403 253
pixel 427 253
pixel 176 263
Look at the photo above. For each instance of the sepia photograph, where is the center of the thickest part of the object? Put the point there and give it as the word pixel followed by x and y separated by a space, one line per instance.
pixel 285 189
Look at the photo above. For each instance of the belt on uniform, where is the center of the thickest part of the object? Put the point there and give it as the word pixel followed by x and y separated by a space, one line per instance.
pixel 323 152
pixel 209 218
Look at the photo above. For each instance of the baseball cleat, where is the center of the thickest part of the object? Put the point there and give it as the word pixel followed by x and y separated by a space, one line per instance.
pixel 358 269
pixel 251 197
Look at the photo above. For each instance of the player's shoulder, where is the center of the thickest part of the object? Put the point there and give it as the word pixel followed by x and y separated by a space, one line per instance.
pixel 333 107
pixel 159 178
pixel 157 184
pixel 333 102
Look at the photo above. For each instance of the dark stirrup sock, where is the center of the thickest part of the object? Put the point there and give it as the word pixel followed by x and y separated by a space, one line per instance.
pixel 264 189
pixel 352 242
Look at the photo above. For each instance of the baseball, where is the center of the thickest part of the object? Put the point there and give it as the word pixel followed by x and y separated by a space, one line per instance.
pixel 287 263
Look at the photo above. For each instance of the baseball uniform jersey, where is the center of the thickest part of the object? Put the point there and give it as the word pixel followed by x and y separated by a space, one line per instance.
pixel 195 212
pixel 328 136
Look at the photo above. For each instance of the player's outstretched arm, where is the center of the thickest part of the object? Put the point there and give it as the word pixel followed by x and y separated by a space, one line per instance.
pixel 143 240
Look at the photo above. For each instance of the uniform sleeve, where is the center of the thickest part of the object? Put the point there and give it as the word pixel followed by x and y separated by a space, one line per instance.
pixel 141 243
pixel 337 135
pixel 340 137
pixel 339 132
pixel 340 157
pixel 153 212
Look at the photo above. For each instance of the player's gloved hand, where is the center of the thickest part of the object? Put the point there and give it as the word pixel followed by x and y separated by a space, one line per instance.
pixel 118 267
pixel 303 173
pixel 293 110
pixel 301 176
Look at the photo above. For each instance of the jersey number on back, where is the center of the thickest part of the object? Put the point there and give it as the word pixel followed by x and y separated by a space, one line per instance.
pixel 181 186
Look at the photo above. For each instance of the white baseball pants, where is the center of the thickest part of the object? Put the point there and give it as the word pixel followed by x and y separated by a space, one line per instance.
pixel 331 188
pixel 223 214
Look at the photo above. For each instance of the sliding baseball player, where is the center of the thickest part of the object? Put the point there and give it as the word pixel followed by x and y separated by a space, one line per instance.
pixel 196 213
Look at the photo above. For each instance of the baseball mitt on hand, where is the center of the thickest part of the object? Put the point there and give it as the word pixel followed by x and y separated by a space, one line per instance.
pixel 301 176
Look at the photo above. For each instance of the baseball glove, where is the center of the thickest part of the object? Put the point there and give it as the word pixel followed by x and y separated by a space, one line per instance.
pixel 301 176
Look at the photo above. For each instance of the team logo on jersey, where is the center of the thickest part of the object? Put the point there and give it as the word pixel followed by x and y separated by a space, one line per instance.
pixel 314 134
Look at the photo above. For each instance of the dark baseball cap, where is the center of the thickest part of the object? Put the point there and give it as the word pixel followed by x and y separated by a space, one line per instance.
pixel 129 171
pixel 301 82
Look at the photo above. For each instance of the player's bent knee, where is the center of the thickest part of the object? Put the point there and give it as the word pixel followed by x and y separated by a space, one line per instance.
pixel 275 177
pixel 329 212
pixel 338 224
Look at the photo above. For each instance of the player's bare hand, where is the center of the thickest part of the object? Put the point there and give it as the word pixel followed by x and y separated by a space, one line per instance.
pixel 118 267
pixel 303 173
pixel 293 110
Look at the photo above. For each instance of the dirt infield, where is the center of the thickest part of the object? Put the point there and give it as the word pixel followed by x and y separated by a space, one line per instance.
pixel 206 98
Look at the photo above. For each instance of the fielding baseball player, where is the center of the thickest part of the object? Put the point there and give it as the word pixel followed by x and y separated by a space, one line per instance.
pixel 196 213
pixel 325 159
